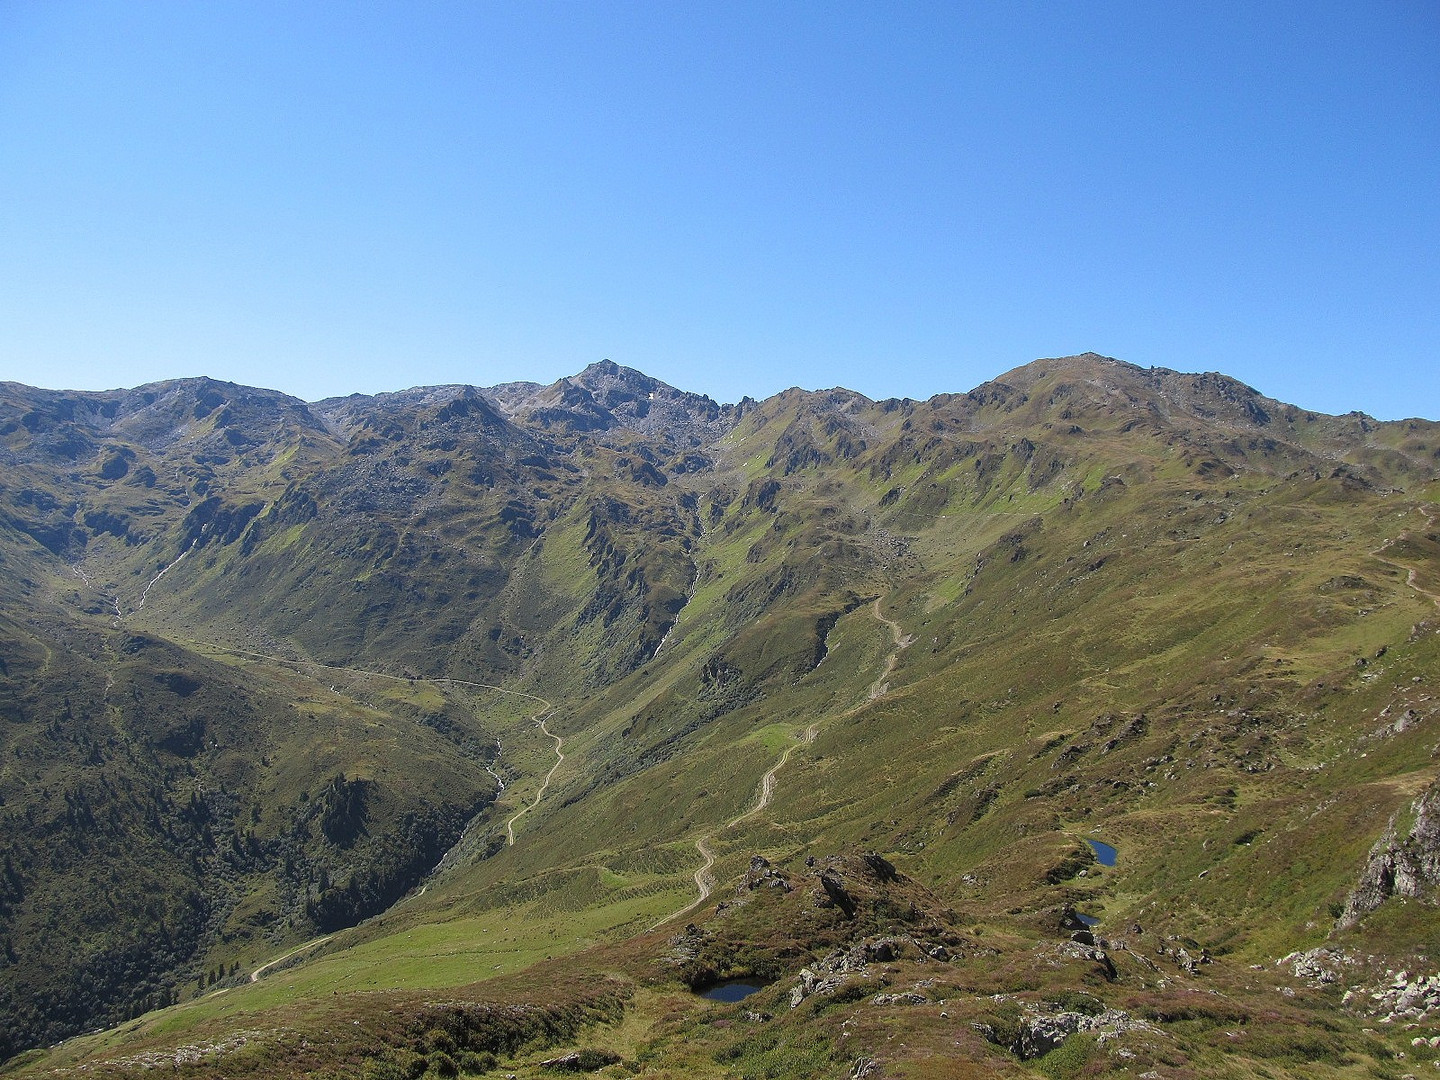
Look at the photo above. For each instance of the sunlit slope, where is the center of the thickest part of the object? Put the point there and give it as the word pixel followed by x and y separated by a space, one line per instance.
pixel 1084 599
pixel 1151 650
pixel 987 757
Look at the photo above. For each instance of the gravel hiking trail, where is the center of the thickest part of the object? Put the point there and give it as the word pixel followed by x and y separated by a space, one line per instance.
pixel 704 879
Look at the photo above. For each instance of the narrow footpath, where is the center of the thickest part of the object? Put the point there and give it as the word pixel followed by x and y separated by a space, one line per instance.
pixel 1410 573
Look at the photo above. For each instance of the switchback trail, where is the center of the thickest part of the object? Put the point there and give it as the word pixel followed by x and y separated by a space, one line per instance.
pixel 704 879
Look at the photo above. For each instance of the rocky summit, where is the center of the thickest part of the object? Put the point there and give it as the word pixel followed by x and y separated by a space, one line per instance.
pixel 1083 723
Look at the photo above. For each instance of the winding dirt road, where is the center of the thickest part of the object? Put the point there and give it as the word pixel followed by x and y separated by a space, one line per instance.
pixel 881 685
pixel 704 882
pixel 767 782
pixel 560 760
pixel 704 879
pixel 255 975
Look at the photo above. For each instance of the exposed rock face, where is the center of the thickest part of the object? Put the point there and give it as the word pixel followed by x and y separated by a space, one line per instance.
pixel 1408 866
pixel 1039 1033
pixel 836 891
pixel 882 867
pixel 762 875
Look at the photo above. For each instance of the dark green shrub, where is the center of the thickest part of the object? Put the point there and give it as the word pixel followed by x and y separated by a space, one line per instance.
pixel 442 1064
pixel 438 1040
pixel 1078 1001
pixel 473 1064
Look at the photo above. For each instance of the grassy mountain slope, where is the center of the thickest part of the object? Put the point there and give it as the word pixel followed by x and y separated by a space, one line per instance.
pixel 1083 600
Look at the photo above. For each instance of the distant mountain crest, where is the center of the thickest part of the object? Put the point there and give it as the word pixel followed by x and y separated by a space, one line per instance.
pixel 606 395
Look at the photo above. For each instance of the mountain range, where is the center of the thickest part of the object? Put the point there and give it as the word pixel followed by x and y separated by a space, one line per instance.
pixel 1080 723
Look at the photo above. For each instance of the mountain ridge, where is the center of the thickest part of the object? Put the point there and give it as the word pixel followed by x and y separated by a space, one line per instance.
pixel 604 369
pixel 279 637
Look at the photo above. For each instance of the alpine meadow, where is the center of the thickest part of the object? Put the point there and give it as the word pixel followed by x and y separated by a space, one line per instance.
pixel 1081 724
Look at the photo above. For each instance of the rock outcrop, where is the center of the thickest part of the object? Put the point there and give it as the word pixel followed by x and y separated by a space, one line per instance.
pixel 1321 966
pixel 1039 1033
pixel 852 964
pixel 1399 997
pixel 836 891
pixel 1407 866
pixel 586 1060
pixel 762 875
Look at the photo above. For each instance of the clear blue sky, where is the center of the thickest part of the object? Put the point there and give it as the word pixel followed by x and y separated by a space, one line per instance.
pixel 901 198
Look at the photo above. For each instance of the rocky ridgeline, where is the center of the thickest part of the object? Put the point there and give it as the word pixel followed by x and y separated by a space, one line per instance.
pixel 878 915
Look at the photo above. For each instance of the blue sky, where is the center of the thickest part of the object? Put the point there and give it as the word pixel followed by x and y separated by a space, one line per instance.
pixel 901 198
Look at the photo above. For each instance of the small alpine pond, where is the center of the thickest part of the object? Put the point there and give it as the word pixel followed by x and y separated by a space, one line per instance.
pixel 732 990
pixel 1103 851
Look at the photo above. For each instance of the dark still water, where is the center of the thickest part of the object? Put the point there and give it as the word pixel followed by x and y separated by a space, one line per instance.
pixel 1104 852
pixel 735 990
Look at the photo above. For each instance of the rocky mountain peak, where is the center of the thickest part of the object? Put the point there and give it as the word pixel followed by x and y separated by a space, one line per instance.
pixel 608 395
